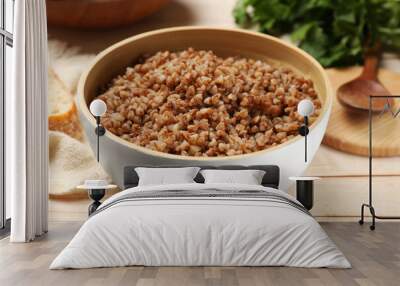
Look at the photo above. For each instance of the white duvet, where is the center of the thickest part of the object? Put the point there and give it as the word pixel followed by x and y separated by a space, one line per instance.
pixel 200 231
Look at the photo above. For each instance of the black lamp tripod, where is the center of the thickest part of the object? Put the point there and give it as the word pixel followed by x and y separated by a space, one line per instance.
pixel 370 203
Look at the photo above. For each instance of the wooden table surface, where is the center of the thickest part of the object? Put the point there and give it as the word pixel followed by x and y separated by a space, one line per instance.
pixel 344 177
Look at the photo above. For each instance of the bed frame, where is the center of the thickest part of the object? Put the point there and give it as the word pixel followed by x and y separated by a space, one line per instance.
pixel 271 178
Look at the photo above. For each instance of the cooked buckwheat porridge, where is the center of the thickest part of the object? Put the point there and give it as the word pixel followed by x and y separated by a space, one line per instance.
pixel 194 103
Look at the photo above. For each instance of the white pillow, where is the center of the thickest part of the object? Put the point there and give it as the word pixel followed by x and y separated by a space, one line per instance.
pixel 248 177
pixel 163 176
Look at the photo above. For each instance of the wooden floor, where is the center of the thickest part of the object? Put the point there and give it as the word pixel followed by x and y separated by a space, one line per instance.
pixel 375 257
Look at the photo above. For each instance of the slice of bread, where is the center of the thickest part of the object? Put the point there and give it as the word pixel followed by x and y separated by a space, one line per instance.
pixel 63 115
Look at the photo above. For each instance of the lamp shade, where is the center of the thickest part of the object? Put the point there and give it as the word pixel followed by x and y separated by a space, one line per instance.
pixel 305 107
pixel 98 107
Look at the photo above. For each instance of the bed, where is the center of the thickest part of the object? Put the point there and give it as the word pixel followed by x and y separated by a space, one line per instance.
pixel 198 224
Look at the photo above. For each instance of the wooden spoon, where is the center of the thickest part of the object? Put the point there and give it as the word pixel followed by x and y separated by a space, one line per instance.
pixel 356 93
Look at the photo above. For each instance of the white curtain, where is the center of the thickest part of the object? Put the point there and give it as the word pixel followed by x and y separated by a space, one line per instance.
pixel 26 124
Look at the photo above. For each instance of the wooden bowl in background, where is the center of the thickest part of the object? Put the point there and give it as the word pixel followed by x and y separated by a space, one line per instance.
pixel 94 14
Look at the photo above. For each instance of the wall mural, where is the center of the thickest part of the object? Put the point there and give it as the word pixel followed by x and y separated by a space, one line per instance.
pixel 193 96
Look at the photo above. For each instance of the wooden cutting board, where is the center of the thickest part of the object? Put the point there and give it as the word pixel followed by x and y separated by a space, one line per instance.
pixel 348 129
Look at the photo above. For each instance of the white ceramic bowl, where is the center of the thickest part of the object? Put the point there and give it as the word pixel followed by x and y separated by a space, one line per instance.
pixel 115 153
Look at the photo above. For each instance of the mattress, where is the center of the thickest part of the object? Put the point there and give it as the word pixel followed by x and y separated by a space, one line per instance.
pixel 201 225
